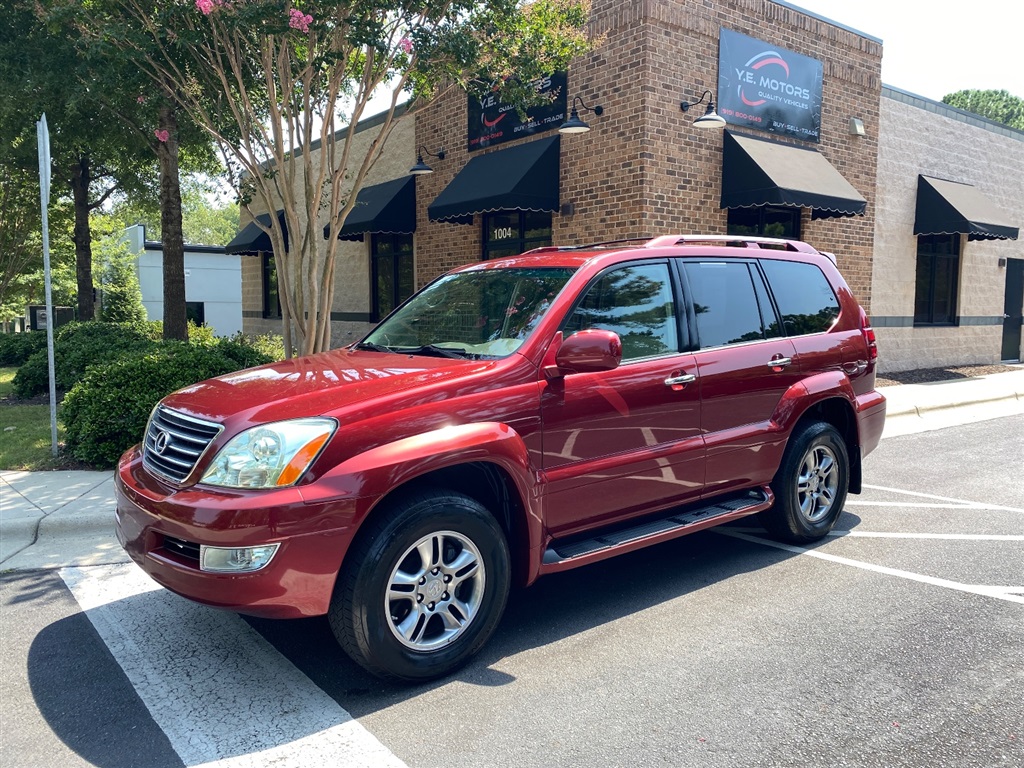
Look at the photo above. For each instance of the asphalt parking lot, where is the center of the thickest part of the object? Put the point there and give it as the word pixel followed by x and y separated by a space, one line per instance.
pixel 895 642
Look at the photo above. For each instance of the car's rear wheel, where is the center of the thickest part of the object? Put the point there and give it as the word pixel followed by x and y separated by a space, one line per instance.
pixel 810 486
pixel 423 588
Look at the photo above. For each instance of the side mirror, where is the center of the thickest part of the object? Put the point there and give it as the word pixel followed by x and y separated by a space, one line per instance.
pixel 589 351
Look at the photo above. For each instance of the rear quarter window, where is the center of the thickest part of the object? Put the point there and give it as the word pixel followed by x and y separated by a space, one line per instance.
pixel 803 295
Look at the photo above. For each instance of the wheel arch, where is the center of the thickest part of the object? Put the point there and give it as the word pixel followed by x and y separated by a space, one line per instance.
pixel 486 482
pixel 837 411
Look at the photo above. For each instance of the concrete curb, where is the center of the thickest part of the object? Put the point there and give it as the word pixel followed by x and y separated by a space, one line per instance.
pixel 920 410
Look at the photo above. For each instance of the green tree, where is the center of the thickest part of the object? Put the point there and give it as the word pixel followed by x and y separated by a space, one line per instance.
pixel 203 221
pixel 1000 106
pixel 93 156
pixel 122 295
pixel 286 75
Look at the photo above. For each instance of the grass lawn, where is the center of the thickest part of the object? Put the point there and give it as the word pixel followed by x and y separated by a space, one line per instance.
pixel 25 433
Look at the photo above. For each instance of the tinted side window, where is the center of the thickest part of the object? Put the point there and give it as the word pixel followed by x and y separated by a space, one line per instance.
pixel 635 302
pixel 805 299
pixel 724 302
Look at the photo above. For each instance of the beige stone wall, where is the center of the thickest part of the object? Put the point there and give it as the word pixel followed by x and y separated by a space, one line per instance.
pixel 921 137
pixel 643 170
pixel 351 307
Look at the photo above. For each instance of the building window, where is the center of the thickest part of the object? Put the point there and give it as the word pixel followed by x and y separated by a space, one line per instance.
pixel 271 299
pixel 765 221
pixel 195 312
pixel 938 276
pixel 392 274
pixel 509 233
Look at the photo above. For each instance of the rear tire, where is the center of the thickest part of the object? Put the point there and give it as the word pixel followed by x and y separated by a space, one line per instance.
pixel 810 486
pixel 423 588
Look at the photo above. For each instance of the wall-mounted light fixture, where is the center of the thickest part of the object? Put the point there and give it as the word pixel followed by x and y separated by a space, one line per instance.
pixel 421 168
pixel 574 124
pixel 857 127
pixel 710 118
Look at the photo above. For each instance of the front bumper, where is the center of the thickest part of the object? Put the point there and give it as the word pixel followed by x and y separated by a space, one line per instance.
pixel 162 527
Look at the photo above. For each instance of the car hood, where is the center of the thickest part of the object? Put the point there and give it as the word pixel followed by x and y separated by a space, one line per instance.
pixel 323 384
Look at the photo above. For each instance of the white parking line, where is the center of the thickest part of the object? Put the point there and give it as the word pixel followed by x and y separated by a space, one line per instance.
pixel 925 505
pixel 958 502
pixel 945 536
pixel 223 695
pixel 1000 593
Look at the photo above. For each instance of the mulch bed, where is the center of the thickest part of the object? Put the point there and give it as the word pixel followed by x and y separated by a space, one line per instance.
pixel 925 375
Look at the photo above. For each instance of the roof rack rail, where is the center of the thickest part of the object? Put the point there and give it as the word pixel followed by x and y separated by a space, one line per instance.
pixel 735 241
pixel 588 246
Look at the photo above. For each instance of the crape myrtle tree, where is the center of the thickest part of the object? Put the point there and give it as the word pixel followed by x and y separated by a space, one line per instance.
pixel 287 74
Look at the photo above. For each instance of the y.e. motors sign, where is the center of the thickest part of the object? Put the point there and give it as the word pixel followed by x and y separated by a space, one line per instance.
pixel 492 121
pixel 763 86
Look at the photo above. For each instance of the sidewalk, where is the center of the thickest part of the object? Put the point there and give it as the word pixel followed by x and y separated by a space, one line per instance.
pixel 55 519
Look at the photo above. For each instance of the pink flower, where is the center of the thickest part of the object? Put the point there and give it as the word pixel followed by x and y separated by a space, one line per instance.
pixel 141 100
pixel 206 7
pixel 405 44
pixel 162 136
pixel 297 19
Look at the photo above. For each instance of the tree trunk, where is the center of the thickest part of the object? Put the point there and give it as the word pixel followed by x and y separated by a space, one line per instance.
pixel 175 321
pixel 83 239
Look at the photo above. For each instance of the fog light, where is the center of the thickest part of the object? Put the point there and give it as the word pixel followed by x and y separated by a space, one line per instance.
pixel 236 559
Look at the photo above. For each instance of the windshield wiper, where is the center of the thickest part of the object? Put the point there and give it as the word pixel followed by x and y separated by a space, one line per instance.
pixel 373 347
pixel 430 349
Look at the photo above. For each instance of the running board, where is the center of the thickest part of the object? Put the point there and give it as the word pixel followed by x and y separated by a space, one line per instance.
pixel 563 554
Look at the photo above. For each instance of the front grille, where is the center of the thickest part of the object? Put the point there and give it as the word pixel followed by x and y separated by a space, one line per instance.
pixel 182 548
pixel 174 442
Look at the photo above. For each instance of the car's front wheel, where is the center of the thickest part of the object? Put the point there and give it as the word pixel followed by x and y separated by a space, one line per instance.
pixel 423 588
pixel 810 486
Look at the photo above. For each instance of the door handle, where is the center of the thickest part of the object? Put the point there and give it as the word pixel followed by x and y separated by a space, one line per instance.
pixel 779 362
pixel 686 378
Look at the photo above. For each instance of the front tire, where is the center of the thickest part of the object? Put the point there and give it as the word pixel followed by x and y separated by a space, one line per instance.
pixel 810 486
pixel 423 588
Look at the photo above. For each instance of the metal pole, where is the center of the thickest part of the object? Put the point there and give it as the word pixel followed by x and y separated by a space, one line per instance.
pixel 43 137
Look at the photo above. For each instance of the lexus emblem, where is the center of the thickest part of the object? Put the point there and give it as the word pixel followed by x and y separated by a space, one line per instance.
pixel 163 439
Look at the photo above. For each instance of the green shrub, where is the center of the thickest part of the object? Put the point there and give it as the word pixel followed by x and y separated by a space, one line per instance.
pixel 243 353
pixel 270 344
pixel 16 348
pixel 77 346
pixel 106 412
pixel 200 335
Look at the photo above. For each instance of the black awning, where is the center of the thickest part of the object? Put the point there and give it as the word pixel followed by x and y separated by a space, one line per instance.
pixel 523 178
pixel 762 172
pixel 253 240
pixel 388 208
pixel 948 207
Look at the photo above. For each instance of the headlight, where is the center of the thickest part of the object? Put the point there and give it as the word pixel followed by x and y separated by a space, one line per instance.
pixel 271 455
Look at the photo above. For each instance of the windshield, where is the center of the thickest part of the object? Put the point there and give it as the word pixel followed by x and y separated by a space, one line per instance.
pixel 479 314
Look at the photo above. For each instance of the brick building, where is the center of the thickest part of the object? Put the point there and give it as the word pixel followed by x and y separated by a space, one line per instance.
pixel 807 126
pixel 948 267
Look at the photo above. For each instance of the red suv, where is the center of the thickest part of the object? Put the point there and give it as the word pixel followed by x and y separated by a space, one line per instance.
pixel 514 418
